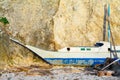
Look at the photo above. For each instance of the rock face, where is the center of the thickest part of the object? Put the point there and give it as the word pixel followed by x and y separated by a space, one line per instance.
pixel 54 24
pixel 4 49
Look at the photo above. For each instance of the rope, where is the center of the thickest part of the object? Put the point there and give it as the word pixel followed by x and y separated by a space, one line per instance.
pixel 110 35
pixel 114 53
pixel 110 64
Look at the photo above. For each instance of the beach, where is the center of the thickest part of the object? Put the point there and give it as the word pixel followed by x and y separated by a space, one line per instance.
pixel 54 73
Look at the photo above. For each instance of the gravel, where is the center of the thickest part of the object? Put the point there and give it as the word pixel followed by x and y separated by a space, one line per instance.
pixel 56 74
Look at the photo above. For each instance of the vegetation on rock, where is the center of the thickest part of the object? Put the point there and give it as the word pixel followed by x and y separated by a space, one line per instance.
pixel 4 20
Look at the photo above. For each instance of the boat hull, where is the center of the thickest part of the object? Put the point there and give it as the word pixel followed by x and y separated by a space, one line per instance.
pixel 85 56
pixel 63 58
pixel 76 61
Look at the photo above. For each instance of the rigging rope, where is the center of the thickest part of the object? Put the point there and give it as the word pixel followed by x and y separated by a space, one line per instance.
pixel 110 36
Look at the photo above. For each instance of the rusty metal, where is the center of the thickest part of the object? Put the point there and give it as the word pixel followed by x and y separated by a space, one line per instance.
pixel 105 73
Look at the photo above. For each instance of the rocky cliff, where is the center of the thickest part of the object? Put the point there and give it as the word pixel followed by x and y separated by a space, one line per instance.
pixel 54 24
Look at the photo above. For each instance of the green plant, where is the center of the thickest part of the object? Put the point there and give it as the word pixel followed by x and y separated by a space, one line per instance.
pixel 4 20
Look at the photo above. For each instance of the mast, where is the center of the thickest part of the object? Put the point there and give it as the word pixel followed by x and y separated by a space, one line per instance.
pixel 104 22
pixel 109 32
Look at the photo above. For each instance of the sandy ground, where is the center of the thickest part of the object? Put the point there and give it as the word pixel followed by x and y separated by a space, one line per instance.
pixel 52 73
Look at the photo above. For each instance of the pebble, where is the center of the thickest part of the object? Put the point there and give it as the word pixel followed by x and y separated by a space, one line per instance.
pixel 57 74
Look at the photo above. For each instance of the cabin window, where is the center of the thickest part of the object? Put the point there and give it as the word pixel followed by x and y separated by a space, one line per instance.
pixel 109 49
pixel 68 49
pixel 88 49
pixel 99 44
pixel 82 49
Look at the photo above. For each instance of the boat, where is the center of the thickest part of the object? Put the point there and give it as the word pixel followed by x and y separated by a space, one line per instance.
pixel 84 56
pixel 80 55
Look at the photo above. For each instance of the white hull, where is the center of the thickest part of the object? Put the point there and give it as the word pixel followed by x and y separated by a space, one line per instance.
pixel 71 58
pixel 75 55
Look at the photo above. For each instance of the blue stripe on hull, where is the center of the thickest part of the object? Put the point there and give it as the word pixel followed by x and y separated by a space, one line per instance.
pixel 75 61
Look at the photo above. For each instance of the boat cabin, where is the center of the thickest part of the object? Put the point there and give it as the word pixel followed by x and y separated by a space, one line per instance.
pixel 98 47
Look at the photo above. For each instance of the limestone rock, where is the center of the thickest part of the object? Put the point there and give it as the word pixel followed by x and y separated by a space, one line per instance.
pixel 54 24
